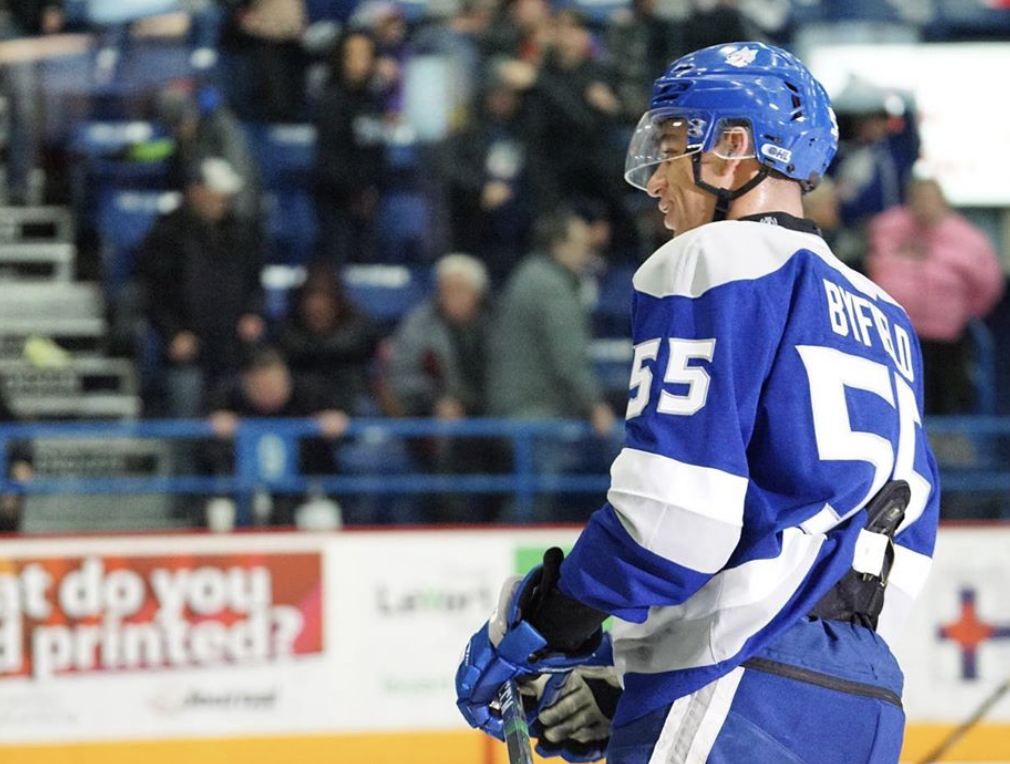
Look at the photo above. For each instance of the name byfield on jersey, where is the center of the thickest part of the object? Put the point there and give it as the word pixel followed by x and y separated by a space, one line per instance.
pixel 855 316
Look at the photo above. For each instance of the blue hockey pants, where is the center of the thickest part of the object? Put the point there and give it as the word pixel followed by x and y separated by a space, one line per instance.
pixel 825 692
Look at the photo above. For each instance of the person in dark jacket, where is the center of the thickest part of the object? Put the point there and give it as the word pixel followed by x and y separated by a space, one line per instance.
pixel 266 388
pixel 640 43
pixel 487 175
pixel 350 153
pixel 263 39
pixel 20 86
pixel 200 271
pixel 574 116
pixel 329 342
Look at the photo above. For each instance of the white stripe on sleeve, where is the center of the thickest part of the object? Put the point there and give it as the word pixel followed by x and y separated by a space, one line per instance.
pixel 687 514
pixel 719 618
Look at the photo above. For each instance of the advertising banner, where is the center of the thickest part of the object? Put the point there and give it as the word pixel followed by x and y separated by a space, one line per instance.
pixel 411 601
pixel 161 636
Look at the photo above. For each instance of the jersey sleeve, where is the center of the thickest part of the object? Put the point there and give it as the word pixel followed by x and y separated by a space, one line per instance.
pixel 704 345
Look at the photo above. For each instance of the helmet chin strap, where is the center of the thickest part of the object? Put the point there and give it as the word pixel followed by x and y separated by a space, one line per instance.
pixel 723 196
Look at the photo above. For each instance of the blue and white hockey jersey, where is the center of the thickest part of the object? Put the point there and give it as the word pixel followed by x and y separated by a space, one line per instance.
pixel 774 391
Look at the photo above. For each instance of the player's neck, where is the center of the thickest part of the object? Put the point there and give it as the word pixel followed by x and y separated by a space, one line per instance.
pixel 771 195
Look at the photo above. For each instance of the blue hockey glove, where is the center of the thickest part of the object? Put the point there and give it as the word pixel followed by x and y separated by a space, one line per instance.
pixel 510 644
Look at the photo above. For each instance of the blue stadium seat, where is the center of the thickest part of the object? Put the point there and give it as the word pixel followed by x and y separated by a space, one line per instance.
pixel 612 314
pixel 278 281
pixel 110 139
pixel 329 10
pixel 597 12
pixel 386 292
pixel 955 18
pixel 285 154
pixel 404 227
pixel 413 10
pixel 104 149
pixel 290 226
pixel 124 220
pixel 103 12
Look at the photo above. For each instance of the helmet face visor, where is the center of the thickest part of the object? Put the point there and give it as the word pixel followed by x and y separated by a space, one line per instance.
pixel 664 135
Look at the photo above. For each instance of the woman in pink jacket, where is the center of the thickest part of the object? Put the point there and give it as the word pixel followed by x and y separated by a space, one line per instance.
pixel 945 272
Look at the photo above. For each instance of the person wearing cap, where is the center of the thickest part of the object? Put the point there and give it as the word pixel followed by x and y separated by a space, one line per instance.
pixel 202 126
pixel 199 269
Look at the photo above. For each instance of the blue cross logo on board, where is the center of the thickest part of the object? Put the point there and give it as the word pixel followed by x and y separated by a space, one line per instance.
pixel 969 631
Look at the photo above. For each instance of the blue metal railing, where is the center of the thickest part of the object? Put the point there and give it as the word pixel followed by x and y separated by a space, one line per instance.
pixel 989 467
pixel 265 452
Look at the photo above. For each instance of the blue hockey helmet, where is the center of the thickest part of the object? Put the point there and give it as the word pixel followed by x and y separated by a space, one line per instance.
pixel 746 84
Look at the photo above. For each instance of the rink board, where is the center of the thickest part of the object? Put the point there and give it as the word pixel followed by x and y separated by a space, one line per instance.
pixel 341 647
pixel 988 743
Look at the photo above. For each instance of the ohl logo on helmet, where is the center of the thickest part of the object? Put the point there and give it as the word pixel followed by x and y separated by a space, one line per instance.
pixel 741 57
pixel 777 152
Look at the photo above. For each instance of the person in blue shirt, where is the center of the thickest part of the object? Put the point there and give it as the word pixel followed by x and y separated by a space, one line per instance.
pixel 772 515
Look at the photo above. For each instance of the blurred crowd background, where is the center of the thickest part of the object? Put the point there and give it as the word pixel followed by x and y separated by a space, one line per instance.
pixel 365 211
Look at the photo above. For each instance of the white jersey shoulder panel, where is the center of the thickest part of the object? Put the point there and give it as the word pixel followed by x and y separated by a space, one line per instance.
pixel 735 250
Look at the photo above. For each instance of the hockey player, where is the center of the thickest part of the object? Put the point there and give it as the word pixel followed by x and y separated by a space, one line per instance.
pixel 775 476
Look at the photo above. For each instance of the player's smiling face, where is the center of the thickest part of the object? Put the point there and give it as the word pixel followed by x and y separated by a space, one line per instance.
pixel 683 204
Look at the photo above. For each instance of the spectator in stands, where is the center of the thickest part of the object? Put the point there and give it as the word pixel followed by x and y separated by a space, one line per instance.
pixel 639 44
pixel 879 146
pixel 329 342
pixel 19 85
pixel 487 176
pixel 945 273
pixel 383 21
pixel 264 39
pixel 520 31
pixel 714 22
pixel 440 348
pixel 265 387
pixel 539 364
pixel 574 115
pixel 350 155
pixel 19 468
pixel 202 126
pixel 437 368
pixel 200 271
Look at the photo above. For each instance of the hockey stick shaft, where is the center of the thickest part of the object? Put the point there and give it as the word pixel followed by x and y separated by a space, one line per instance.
pixel 948 742
pixel 517 732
